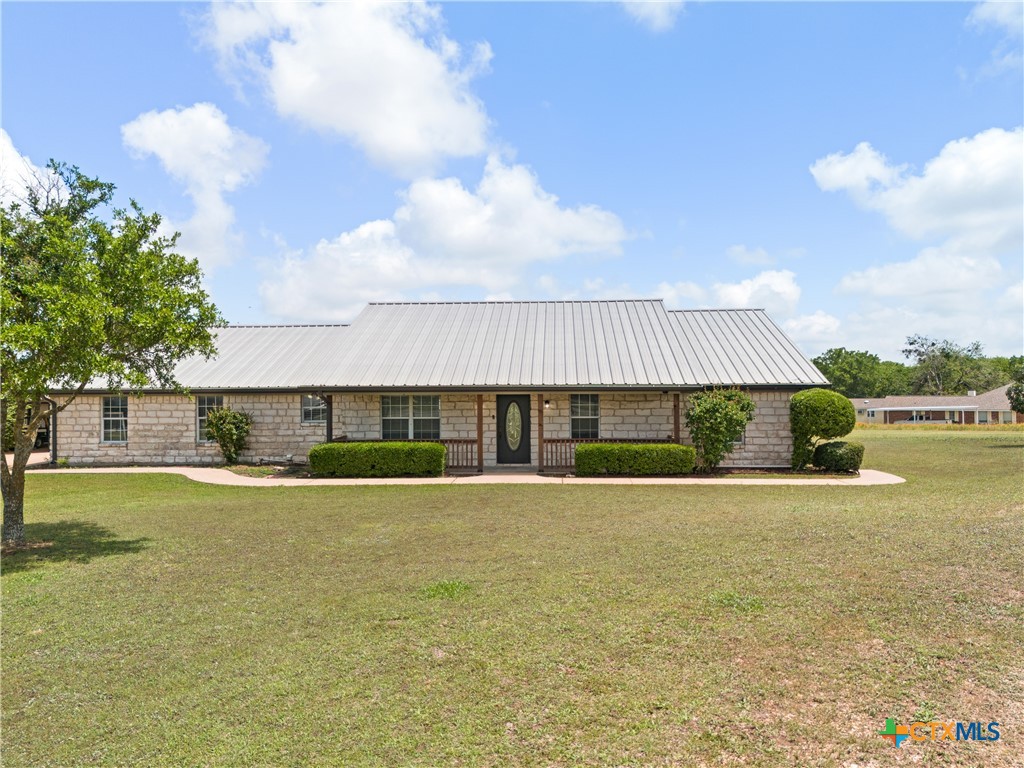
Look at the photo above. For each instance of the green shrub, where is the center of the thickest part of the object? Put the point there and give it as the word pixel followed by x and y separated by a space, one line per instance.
pixel 637 459
pixel 716 419
pixel 839 456
pixel 816 415
pixel 231 431
pixel 387 459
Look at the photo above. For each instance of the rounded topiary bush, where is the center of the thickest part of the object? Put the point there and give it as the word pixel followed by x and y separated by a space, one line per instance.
pixel 818 414
pixel 838 456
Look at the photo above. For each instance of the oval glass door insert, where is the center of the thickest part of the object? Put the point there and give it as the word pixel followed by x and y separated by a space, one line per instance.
pixel 513 426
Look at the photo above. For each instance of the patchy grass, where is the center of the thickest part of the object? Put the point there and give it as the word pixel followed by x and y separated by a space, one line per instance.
pixel 727 598
pixel 174 623
pixel 446 588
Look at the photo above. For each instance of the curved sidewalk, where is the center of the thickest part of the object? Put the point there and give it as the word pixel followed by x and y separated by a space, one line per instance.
pixel 216 476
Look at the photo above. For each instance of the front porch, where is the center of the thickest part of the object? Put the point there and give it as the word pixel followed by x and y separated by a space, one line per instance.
pixel 535 432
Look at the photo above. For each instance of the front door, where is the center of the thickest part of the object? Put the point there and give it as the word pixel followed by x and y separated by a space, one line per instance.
pixel 513 429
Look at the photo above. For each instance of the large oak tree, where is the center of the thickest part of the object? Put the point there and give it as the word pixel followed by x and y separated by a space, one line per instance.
pixel 84 300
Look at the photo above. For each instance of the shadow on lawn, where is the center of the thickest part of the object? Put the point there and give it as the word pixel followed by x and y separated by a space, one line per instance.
pixel 73 541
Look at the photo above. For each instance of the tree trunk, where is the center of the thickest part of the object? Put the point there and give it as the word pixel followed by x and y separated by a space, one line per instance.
pixel 13 479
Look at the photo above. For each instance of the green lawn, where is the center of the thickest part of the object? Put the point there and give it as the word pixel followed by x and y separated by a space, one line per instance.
pixel 174 623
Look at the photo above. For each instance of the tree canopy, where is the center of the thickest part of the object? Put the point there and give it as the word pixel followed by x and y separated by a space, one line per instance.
pixel 83 299
pixel 1015 394
pixel 939 367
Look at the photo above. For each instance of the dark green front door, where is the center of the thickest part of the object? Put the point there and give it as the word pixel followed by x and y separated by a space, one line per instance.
pixel 513 429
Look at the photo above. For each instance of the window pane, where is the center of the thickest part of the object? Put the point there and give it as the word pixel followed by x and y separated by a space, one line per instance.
pixel 394 429
pixel 426 406
pixel 585 428
pixel 205 404
pixel 394 407
pixel 584 413
pixel 427 429
pixel 115 419
pixel 583 405
pixel 314 409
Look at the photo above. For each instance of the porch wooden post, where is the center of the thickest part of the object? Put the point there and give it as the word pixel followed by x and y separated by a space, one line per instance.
pixel 675 417
pixel 329 401
pixel 540 432
pixel 480 433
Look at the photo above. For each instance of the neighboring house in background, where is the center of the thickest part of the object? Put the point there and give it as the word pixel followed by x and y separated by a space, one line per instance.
pixel 988 408
pixel 516 384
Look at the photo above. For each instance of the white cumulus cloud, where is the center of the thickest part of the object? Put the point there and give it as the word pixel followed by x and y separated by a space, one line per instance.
pixel 775 291
pixel 442 235
pixel 682 294
pixel 199 149
pixel 656 15
pixel 816 332
pixel 966 204
pixel 971 190
pixel 17 172
pixel 1006 15
pixel 382 75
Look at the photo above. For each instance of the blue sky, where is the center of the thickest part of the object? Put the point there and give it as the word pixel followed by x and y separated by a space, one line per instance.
pixel 856 169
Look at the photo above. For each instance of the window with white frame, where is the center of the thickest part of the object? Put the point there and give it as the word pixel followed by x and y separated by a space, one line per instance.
pixel 871 414
pixel 314 410
pixel 410 416
pixel 115 419
pixel 983 417
pixel 584 416
pixel 205 404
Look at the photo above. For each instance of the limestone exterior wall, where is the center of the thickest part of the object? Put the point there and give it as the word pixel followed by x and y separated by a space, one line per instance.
pixel 767 441
pixel 648 415
pixel 162 430
pixel 358 418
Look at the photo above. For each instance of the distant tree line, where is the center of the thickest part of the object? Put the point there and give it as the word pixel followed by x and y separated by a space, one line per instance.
pixel 936 367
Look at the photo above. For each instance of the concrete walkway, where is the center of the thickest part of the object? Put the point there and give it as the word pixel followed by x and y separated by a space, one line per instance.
pixel 217 476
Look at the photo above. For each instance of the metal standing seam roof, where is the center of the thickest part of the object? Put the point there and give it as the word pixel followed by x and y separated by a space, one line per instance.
pixel 264 357
pixel 740 347
pixel 528 344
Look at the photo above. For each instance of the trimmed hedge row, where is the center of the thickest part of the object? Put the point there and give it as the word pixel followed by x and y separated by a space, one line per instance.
pixel 637 459
pixel 387 459
pixel 839 456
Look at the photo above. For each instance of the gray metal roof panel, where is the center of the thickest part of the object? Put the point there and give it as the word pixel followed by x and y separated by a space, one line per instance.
pixel 635 343
pixel 743 347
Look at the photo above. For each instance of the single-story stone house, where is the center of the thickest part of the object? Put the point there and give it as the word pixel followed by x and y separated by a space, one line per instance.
pixel 516 384
pixel 991 407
